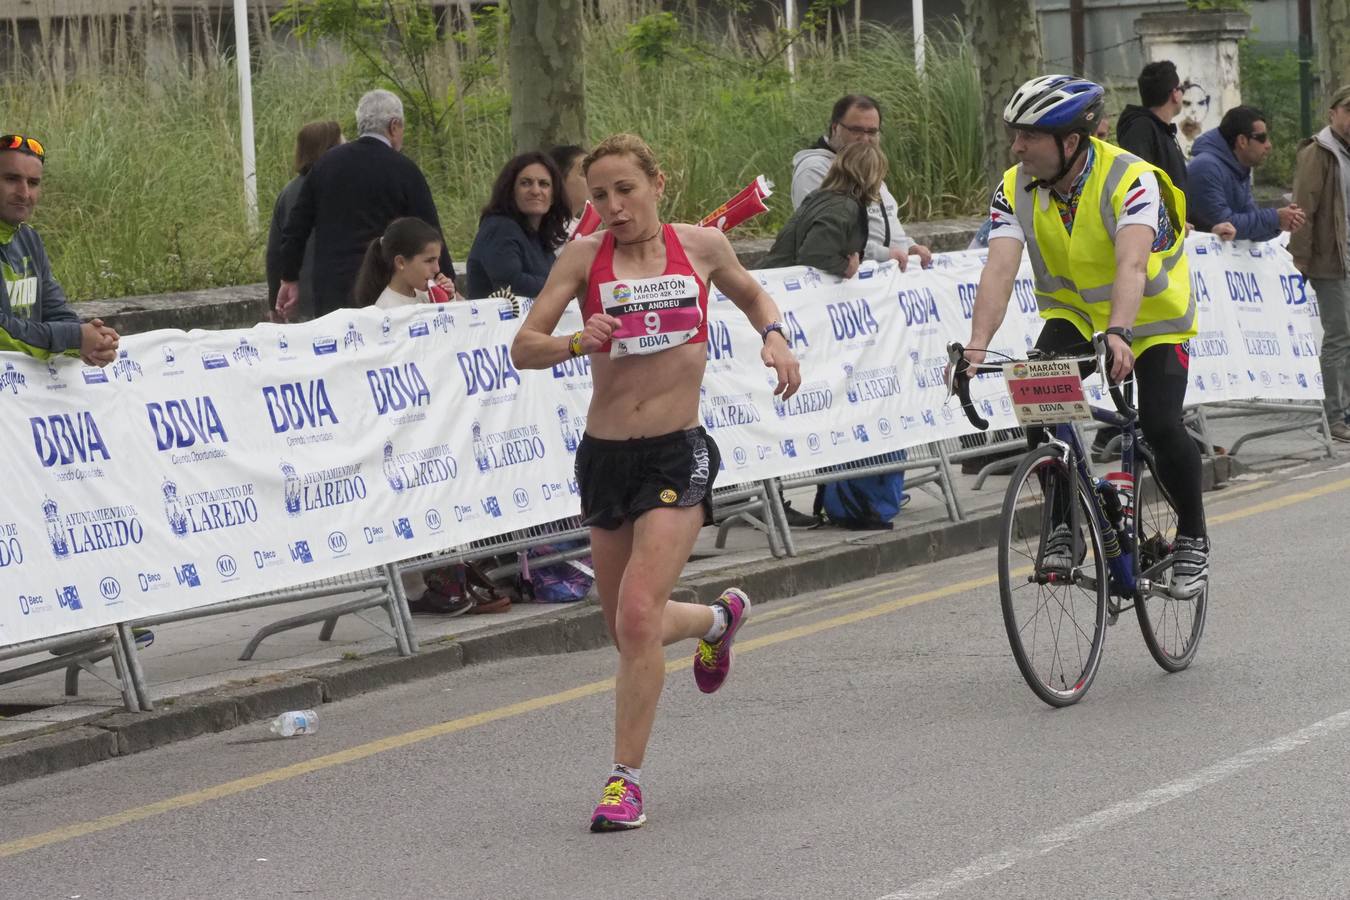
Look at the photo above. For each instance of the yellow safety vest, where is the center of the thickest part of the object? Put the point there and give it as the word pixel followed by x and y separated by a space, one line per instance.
pixel 1074 273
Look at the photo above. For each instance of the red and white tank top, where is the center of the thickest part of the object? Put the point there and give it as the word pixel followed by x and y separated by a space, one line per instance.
pixel 654 313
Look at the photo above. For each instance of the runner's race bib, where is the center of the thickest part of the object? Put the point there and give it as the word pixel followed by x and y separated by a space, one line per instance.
pixel 654 314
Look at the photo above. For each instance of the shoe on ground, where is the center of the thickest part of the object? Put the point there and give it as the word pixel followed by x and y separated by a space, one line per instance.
pixel 712 661
pixel 435 602
pixel 497 604
pixel 1340 432
pixel 1190 567
pixel 1058 553
pixel 620 807
pixel 796 519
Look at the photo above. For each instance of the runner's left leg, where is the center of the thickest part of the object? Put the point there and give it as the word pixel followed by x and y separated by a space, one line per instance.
pixel 646 619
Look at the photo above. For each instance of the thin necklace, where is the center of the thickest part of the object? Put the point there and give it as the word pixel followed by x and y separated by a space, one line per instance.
pixel 654 234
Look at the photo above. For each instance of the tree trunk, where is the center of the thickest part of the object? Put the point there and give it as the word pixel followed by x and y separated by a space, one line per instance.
pixel 1331 35
pixel 546 53
pixel 1007 43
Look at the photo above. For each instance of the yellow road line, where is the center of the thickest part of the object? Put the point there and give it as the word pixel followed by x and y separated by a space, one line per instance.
pixel 394 742
pixel 1281 502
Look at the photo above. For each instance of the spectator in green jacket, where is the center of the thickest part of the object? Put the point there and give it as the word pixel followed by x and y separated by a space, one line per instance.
pixel 828 231
pixel 35 317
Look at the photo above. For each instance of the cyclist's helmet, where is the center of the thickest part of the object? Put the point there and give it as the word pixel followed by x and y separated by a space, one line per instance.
pixel 1056 104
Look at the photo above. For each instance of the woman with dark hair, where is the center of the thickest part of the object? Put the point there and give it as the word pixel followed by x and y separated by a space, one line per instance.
pixel 399 264
pixel 521 226
pixel 312 141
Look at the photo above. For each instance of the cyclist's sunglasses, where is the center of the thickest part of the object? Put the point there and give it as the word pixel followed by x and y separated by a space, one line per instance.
pixel 18 142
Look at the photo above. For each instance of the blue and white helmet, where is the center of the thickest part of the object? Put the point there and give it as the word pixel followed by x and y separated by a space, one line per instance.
pixel 1057 104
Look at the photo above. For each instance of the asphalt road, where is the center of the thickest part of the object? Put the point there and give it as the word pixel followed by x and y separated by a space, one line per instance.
pixel 875 741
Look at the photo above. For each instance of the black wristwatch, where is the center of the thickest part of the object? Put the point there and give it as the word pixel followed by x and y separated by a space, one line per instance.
pixel 1125 334
pixel 778 327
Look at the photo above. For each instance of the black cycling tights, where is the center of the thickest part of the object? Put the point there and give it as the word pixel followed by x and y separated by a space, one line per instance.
pixel 1162 372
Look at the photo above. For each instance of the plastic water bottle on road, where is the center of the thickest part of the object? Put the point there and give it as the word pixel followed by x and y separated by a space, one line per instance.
pixel 289 724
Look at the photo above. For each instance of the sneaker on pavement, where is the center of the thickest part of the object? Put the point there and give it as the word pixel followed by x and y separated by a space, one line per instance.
pixel 1190 567
pixel 712 661
pixel 1058 553
pixel 1340 432
pixel 620 807
pixel 797 519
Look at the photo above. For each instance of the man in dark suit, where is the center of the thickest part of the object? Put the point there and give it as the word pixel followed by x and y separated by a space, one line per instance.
pixel 351 195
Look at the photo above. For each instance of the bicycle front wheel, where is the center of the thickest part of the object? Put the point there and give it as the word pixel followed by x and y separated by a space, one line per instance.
pixel 1171 627
pixel 1052 578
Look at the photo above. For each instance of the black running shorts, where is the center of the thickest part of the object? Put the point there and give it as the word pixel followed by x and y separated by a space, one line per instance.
pixel 621 480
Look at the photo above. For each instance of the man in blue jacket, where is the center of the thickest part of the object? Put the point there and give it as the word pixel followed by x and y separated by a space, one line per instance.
pixel 35 317
pixel 1219 179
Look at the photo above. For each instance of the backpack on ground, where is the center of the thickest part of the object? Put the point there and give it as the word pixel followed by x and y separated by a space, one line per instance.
pixel 559 582
pixel 865 503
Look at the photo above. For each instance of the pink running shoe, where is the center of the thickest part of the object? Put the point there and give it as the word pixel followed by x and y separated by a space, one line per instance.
pixel 620 807
pixel 712 662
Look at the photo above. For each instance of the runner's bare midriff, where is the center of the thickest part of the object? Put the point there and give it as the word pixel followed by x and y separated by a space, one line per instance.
pixel 645 396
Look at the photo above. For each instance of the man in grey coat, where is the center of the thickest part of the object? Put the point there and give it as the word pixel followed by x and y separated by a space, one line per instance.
pixel 35 317
pixel 857 117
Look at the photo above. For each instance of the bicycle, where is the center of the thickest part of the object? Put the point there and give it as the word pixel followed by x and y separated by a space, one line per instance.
pixel 1082 545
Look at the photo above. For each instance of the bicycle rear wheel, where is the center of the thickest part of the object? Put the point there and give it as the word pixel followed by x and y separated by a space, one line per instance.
pixel 1055 614
pixel 1171 627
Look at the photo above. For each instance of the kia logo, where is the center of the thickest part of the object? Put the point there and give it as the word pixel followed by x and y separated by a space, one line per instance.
pixel 109 588
pixel 522 498
pixel 226 566
pixel 433 519
pixel 337 542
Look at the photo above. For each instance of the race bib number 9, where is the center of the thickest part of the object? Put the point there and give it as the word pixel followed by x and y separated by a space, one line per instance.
pixel 654 314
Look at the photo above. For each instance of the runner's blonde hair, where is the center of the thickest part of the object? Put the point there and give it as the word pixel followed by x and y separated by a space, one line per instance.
pixel 619 144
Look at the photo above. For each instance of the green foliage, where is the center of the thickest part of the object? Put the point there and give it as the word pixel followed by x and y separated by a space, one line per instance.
pixel 1213 5
pixel 1270 83
pixel 143 191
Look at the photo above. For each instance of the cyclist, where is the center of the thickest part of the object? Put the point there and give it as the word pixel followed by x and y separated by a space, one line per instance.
pixel 1104 232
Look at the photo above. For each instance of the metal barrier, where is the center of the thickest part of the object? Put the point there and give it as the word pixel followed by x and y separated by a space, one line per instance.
pixel 73 652
pixel 379 588
pixel 1303 416
pixel 933 466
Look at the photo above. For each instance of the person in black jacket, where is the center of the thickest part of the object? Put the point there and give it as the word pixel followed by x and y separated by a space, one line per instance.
pixel 1148 131
pixel 523 224
pixel 351 195
pixel 311 142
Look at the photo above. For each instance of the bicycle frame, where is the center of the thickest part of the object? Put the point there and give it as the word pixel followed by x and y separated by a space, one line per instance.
pixel 1127 582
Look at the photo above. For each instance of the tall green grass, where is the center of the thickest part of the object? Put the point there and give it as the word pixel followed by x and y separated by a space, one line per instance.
pixel 143 193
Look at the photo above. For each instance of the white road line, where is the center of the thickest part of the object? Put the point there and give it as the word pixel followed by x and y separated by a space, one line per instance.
pixel 1119 812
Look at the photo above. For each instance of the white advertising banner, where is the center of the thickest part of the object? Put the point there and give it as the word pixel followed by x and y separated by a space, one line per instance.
pixel 205 466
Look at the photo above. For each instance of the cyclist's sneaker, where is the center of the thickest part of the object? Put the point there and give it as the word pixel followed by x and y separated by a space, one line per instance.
pixel 1058 553
pixel 712 661
pixel 1190 567
pixel 620 807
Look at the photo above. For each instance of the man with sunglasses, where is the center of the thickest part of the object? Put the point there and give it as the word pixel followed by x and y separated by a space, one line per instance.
pixel 35 317
pixel 1219 179
pixel 857 117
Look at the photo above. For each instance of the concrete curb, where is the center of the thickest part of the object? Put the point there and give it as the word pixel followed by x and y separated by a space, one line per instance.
pixel 571 629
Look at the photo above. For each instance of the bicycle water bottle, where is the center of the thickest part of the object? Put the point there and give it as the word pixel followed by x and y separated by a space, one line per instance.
pixel 1123 482
pixel 289 724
